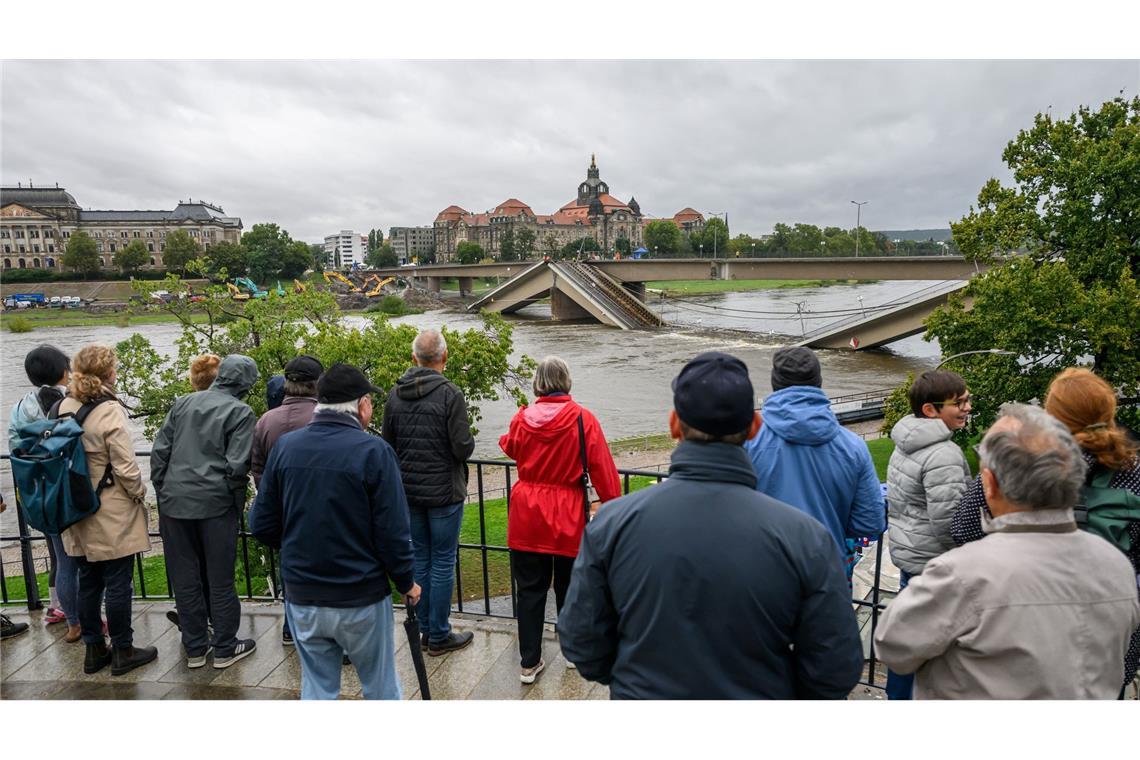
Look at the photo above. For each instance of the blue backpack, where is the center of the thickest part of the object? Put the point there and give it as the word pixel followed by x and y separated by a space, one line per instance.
pixel 50 469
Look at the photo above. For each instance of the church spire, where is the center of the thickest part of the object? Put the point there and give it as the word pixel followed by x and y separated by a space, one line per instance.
pixel 593 163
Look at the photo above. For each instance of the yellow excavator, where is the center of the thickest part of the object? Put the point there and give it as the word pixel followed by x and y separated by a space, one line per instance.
pixel 376 283
pixel 298 286
pixel 340 278
pixel 237 293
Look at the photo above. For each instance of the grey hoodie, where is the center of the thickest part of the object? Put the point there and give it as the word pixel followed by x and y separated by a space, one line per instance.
pixel 200 461
pixel 926 477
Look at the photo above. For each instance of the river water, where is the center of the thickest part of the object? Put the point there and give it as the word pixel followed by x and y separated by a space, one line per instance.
pixel 622 376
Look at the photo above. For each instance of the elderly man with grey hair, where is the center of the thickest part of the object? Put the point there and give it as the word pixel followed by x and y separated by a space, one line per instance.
pixel 425 421
pixel 1035 610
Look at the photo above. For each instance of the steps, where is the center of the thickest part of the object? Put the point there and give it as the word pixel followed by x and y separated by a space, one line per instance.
pixel 609 295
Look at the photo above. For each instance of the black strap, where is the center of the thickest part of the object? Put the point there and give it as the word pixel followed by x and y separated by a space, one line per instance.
pixel 80 416
pixel 585 467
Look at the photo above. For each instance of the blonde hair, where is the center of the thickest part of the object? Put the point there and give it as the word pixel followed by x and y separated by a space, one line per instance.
pixel 91 369
pixel 1086 404
pixel 203 370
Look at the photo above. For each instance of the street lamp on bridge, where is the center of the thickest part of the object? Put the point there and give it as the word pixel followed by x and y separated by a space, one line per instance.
pixel 858 223
pixel 718 214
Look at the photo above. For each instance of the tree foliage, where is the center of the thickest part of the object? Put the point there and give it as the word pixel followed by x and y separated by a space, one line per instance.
pixel 469 252
pixel 663 237
pixel 275 329
pixel 524 244
pixel 581 247
pixel 1072 298
pixel 132 257
pixel 507 250
pixel 82 254
pixel 179 251
pixel 382 257
pixel 229 258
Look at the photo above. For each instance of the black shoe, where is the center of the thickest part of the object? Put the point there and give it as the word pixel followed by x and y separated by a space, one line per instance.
pixel 97 658
pixel 344 660
pixel 286 637
pixel 126 660
pixel 9 629
pixel 244 649
pixel 172 616
pixel 453 642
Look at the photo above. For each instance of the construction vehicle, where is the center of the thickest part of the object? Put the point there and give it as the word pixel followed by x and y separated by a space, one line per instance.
pixel 237 293
pixel 298 286
pixel 377 284
pixel 251 287
pixel 340 278
pixel 280 290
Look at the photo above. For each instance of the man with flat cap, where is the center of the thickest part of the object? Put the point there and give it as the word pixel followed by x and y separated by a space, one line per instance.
pixel 804 457
pixel 331 499
pixel 292 413
pixel 701 587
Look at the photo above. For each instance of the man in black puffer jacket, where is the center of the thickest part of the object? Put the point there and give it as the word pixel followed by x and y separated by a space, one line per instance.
pixel 425 421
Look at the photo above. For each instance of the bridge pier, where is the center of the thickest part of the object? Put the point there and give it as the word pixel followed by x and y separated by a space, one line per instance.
pixel 433 284
pixel 563 306
pixel 637 289
pixel 466 286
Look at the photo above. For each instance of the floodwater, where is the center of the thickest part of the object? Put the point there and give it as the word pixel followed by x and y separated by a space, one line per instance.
pixel 622 376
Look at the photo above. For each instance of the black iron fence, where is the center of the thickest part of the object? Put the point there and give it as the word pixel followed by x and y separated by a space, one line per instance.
pixel 492 489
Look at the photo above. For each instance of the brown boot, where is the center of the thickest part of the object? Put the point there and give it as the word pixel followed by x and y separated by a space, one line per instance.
pixel 126 660
pixel 97 658
pixel 74 632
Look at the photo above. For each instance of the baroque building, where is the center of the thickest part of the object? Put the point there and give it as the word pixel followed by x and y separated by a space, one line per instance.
pixel 37 222
pixel 593 213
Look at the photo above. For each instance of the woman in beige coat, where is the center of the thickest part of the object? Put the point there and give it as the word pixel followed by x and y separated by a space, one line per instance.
pixel 105 544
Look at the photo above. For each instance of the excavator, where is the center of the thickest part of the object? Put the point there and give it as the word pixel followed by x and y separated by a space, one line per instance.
pixel 252 291
pixel 377 285
pixel 237 293
pixel 298 286
pixel 340 278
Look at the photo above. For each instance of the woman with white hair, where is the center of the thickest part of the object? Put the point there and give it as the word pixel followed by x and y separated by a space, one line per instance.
pixel 549 440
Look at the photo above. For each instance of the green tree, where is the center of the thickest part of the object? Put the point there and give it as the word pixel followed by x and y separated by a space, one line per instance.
pixel 663 237
pixel 317 257
pixel 266 244
pixel 622 246
pixel 180 250
pixel 382 258
pixel 82 254
pixel 551 246
pixel 583 246
pixel 507 250
pixel 1071 299
pixel 231 257
pixel 295 261
pixel 131 257
pixel 468 252
pixel 524 244
pixel 714 236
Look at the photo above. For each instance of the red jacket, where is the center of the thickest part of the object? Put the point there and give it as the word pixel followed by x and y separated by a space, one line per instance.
pixel 547 515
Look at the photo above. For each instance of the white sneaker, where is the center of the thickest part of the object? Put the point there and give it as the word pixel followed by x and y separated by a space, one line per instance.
pixel 571 666
pixel 529 674
pixel 244 649
pixel 199 661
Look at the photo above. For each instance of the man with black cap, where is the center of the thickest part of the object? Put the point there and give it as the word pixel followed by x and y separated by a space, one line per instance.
pixel 805 458
pixel 703 588
pixel 293 413
pixel 331 499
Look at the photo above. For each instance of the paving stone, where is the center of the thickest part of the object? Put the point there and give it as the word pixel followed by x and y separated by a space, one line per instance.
pixel 113 690
pixel 460 671
pixel 18 651
pixel 192 691
pixel 32 689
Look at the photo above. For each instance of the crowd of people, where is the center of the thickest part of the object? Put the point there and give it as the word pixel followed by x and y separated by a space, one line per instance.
pixel 730 579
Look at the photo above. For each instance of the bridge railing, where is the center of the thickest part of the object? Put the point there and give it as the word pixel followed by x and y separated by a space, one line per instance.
pixel 484 583
pixel 945 286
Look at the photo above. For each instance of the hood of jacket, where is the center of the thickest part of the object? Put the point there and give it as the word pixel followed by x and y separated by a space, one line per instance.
pixel 913 434
pixel 236 375
pixel 550 416
pixel 418 382
pixel 800 414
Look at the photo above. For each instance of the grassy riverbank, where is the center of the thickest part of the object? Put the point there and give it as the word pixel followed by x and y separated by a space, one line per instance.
pixel 75 318
pixel 706 287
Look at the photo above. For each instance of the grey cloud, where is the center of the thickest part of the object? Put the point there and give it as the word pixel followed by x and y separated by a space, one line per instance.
pixel 319 146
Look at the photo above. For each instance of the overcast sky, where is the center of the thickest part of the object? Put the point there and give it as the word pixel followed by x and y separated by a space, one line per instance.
pixel 320 146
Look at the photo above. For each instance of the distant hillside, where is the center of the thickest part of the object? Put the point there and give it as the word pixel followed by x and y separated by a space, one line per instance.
pixel 940 235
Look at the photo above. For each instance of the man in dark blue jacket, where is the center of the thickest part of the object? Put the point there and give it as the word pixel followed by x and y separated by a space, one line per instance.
pixel 703 588
pixel 332 500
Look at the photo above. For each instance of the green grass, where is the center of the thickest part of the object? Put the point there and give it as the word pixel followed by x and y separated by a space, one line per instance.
pixel 703 287
pixel 69 318
pixel 19 324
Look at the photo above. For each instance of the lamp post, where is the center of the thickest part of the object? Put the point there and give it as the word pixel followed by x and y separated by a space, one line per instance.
pixel 858 224
pixel 753 250
pixel 861 307
pixel 702 250
pixel 993 351
pixel 718 214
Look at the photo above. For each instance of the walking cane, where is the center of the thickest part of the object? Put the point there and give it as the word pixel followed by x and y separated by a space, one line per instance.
pixel 412 628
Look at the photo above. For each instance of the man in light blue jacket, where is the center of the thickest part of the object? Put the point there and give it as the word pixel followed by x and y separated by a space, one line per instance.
pixel 805 458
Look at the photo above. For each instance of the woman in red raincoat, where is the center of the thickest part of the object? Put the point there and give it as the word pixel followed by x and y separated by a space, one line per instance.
pixel 547 514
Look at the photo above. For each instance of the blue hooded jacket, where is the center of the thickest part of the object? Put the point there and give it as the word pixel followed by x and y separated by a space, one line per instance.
pixel 803 456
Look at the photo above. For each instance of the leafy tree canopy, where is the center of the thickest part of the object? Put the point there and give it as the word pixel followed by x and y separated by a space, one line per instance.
pixel 132 257
pixel 1072 298
pixel 82 254
pixel 179 251
pixel 382 257
pixel 469 252
pixel 231 258
pixel 663 237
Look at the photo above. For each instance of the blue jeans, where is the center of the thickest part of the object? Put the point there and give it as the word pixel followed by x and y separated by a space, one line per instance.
pixel 898 686
pixel 435 539
pixel 365 634
pixel 66 581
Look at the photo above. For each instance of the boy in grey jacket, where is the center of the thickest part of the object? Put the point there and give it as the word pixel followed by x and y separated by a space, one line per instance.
pixel 926 477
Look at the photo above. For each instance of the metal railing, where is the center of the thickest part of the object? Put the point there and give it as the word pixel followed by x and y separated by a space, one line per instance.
pixel 488 602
